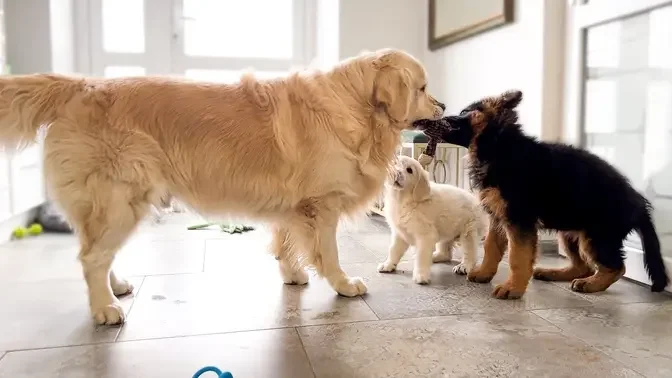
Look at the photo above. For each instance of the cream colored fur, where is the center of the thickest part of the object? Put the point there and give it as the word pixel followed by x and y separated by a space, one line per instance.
pixel 297 153
pixel 425 214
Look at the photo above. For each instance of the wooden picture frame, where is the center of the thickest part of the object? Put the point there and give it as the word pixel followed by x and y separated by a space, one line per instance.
pixel 485 16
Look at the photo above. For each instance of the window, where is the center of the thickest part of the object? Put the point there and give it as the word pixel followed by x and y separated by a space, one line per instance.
pixel 201 39
pixel 238 29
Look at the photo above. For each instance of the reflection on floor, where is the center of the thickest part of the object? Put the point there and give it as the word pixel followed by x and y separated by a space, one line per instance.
pixel 210 298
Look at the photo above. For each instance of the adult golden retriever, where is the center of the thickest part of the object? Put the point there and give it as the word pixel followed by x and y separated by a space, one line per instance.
pixel 296 153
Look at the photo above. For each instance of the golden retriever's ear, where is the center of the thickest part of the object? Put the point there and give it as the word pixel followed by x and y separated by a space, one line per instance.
pixel 393 91
pixel 421 189
pixel 392 86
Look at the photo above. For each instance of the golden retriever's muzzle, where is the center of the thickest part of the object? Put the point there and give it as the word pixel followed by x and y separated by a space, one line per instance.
pixel 439 104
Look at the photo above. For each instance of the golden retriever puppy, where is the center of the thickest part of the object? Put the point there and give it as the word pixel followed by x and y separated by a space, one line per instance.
pixel 426 214
pixel 296 153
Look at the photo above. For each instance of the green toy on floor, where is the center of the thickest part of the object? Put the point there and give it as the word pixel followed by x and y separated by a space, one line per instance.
pixel 228 228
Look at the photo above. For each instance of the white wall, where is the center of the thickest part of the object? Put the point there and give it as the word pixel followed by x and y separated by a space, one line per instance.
pixel 40 36
pixel 375 24
pixel 527 55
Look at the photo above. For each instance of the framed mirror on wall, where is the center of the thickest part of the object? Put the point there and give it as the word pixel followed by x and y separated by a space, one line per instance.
pixel 451 21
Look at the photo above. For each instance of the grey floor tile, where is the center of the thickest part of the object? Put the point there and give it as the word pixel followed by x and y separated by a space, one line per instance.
pixel 49 314
pixel 38 259
pixel 251 297
pixel 493 345
pixel 252 252
pixel 142 256
pixel 273 353
pixel 351 251
pixel 639 335
pixel 395 295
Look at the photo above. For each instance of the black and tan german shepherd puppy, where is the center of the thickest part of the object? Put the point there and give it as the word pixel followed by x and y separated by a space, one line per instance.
pixel 527 185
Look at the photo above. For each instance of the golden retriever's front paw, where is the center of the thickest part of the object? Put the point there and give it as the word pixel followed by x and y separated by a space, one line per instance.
pixel 422 277
pixel 507 291
pixel 111 314
pixel 387 267
pixel 350 287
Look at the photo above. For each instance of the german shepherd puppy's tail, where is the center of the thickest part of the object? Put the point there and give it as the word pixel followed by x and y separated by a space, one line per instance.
pixel 653 260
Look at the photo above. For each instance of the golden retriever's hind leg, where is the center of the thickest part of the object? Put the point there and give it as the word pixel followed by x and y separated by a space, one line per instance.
pixel 104 222
pixel 444 252
pixel 315 233
pixel 283 249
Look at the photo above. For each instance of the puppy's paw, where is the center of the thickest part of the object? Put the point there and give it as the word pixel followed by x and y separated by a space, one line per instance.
pixel 422 277
pixel 122 287
pixel 463 269
pixel 588 285
pixel 387 267
pixel 111 314
pixel 438 257
pixel 350 287
pixel 477 275
pixel 507 291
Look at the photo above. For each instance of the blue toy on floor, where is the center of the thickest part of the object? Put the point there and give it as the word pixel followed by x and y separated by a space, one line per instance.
pixel 220 374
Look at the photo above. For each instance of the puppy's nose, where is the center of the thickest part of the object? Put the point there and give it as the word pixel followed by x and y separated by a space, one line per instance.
pixel 441 105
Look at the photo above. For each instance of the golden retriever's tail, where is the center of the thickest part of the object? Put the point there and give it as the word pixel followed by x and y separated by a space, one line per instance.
pixel 29 102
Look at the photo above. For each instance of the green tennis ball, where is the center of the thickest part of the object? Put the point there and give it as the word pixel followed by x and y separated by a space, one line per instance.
pixel 19 232
pixel 35 229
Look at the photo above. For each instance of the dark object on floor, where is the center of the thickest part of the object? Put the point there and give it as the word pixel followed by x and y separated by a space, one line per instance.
pixel 528 185
pixel 51 219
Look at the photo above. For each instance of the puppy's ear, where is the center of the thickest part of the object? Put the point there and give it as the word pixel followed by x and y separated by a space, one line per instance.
pixel 392 86
pixel 511 99
pixel 421 189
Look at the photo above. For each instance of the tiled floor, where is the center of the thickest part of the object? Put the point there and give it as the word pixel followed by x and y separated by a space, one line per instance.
pixel 209 298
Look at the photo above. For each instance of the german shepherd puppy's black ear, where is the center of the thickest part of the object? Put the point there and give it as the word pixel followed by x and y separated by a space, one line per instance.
pixel 511 99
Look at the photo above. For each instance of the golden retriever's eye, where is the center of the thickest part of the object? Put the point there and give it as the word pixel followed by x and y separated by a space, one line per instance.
pixel 409 170
pixel 424 88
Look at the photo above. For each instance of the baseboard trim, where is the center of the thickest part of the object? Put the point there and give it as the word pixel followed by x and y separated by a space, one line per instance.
pixel 549 247
pixel 634 267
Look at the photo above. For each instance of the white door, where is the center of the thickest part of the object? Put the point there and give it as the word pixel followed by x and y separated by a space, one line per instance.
pixel 620 101
pixel 212 40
